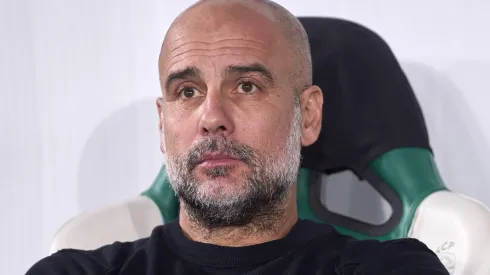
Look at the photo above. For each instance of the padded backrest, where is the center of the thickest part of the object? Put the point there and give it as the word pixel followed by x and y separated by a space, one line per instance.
pixel 372 126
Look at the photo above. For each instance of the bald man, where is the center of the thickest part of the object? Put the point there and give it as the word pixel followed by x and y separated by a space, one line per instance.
pixel 237 104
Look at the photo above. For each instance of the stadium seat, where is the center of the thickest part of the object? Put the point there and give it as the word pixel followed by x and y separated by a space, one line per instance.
pixel 373 127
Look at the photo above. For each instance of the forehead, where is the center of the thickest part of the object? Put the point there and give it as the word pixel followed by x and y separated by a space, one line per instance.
pixel 234 42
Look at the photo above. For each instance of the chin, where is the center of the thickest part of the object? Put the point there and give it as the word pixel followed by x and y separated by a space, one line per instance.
pixel 222 187
pixel 221 173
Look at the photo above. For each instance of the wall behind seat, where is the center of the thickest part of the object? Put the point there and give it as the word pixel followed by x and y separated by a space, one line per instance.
pixel 78 125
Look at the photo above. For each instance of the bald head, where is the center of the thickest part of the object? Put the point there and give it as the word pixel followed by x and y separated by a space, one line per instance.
pixel 217 15
pixel 237 105
pixel 298 43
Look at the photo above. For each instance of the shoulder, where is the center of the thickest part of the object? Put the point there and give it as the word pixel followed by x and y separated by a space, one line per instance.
pixel 89 262
pixel 404 256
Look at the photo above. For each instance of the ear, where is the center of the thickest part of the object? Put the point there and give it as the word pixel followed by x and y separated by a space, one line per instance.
pixel 160 124
pixel 311 100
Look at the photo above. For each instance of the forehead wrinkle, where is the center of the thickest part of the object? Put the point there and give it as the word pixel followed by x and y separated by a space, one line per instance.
pixel 172 44
pixel 168 51
pixel 215 49
pixel 209 55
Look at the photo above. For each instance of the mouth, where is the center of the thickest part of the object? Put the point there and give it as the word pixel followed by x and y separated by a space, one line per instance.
pixel 217 159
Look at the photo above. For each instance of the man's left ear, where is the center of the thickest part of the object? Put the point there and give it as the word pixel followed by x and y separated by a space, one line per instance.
pixel 311 100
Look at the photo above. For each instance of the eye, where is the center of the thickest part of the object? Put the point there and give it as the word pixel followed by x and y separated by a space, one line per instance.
pixel 188 93
pixel 247 87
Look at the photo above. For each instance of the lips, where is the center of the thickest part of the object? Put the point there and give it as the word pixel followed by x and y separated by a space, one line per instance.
pixel 216 159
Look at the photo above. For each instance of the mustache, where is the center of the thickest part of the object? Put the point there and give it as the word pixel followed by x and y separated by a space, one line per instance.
pixel 233 149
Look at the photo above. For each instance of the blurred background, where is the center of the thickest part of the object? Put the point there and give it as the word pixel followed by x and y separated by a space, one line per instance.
pixel 78 120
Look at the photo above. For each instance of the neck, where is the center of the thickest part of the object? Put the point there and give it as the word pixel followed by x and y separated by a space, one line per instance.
pixel 252 233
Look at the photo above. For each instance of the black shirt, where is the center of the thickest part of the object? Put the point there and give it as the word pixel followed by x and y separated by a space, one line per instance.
pixel 309 248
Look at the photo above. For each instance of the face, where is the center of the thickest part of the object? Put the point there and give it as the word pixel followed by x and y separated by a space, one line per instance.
pixel 231 121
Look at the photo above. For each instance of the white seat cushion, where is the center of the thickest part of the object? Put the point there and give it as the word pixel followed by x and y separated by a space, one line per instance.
pixel 457 229
pixel 128 221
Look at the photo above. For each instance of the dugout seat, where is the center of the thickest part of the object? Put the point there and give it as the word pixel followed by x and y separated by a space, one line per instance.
pixel 372 126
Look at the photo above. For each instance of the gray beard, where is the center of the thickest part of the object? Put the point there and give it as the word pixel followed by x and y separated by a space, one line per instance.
pixel 264 188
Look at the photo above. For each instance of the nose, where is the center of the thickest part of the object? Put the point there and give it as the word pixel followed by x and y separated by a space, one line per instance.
pixel 215 117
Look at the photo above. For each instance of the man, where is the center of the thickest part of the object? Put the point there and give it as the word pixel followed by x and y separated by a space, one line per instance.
pixel 237 105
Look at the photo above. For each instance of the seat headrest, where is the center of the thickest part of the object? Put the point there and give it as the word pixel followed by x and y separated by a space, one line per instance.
pixel 369 106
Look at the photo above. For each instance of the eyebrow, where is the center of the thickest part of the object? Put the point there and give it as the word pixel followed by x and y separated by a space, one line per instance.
pixel 191 72
pixel 251 68
pixel 186 73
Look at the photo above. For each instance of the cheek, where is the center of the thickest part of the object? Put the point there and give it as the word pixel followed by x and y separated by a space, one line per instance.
pixel 177 136
pixel 265 132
